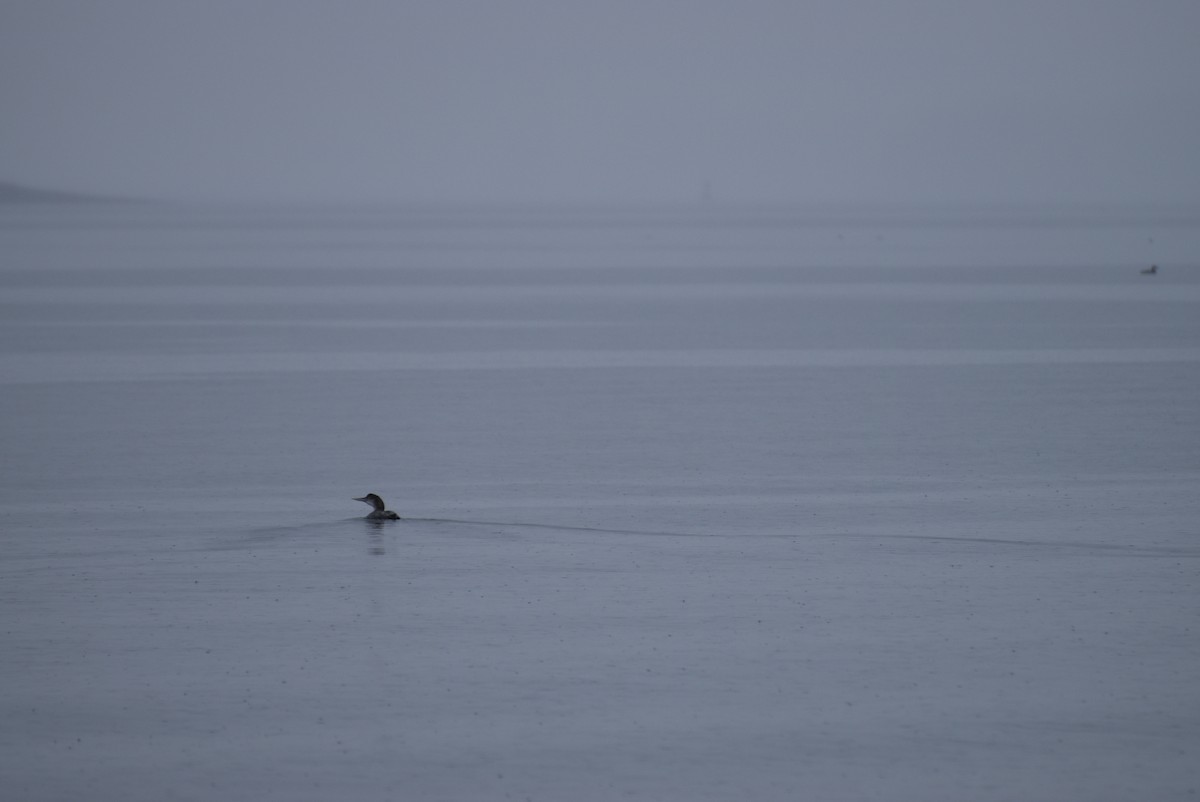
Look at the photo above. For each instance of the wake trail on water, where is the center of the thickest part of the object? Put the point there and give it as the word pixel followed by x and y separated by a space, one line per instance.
pixel 1110 548
pixel 269 536
pixel 594 529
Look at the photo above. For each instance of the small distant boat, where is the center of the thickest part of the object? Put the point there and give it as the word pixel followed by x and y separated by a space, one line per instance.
pixel 1152 270
pixel 379 511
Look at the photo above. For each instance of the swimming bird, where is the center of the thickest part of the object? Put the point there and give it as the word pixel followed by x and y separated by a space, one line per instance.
pixel 1152 270
pixel 379 513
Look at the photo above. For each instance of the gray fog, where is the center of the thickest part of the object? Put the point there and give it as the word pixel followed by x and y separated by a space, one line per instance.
pixel 526 101
pixel 780 400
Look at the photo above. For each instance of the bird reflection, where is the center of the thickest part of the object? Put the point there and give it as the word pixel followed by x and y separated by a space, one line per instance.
pixel 375 544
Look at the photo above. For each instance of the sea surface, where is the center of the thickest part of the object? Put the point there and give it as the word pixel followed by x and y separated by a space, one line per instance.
pixel 699 503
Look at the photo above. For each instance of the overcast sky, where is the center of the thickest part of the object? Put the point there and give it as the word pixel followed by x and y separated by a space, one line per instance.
pixel 605 100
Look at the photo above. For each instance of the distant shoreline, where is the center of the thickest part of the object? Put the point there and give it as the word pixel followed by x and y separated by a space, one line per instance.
pixel 19 193
pixel 765 214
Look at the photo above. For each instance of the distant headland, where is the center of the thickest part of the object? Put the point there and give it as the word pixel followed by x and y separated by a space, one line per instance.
pixel 19 193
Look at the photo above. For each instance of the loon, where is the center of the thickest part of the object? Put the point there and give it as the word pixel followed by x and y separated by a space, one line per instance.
pixel 1152 270
pixel 379 513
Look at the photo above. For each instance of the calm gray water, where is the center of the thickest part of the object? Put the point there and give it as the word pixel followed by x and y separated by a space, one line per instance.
pixel 702 503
